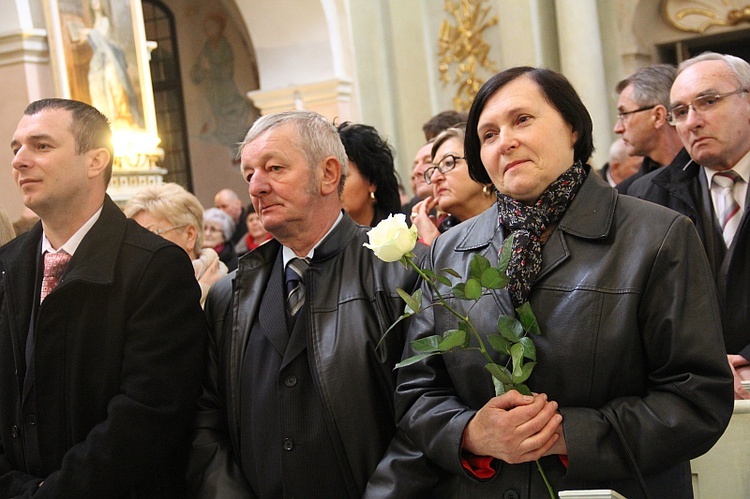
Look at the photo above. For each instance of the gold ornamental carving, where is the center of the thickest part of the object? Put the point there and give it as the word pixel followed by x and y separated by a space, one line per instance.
pixel 462 49
pixel 696 16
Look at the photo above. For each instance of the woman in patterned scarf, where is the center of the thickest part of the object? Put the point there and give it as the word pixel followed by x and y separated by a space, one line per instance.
pixel 631 380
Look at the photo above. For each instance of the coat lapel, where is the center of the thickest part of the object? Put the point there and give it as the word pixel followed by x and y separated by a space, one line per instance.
pixel 589 216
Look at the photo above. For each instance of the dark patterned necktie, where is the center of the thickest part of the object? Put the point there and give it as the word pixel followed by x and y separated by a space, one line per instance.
pixel 54 266
pixel 295 286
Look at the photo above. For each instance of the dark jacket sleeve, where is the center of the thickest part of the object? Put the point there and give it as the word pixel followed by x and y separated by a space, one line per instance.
pixel 213 470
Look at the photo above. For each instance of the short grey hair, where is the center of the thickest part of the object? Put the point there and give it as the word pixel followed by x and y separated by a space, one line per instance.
pixel 739 67
pixel 317 138
pixel 651 84
pixel 217 215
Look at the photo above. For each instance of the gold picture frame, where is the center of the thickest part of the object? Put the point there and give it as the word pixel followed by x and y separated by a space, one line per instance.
pixel 99 56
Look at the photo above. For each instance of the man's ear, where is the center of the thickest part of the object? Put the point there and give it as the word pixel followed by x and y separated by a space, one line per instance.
pixel 98 161
pixel 660 116
pixel 330 175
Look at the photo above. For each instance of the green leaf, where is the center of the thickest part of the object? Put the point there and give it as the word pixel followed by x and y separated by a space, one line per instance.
pixel 528 319
pixel 499 344
pixel 492 279
pixel 452 272
pixel 444 281
pixel 427 344
pixel 414 360
pixel 499 372
pixel 459 291
pixel 453 338
pixel 529 349
pixel 478 265
pixel 510 328
pixel 413 301
pixel 523 389
pixel 499 387
pixel 524 373
pixel 473 289
pixel 516 354
pixel 505 252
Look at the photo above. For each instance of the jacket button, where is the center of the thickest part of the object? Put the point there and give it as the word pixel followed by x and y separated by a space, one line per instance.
pixel 288 444
pixel 30 420
pixel 14 431
pixel 510 494
pixel 290 381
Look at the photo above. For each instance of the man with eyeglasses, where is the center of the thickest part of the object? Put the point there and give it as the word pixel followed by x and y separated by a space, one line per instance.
pixel 710 109
pixel 642 108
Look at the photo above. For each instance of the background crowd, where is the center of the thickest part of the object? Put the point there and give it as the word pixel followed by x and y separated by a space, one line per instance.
pixel 264 369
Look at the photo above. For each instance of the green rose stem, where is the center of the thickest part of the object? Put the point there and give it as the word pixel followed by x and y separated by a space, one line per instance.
pixel 407 261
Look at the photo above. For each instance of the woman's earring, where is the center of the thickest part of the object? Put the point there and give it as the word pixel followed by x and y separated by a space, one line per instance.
pixel 372 197
pixel 487 190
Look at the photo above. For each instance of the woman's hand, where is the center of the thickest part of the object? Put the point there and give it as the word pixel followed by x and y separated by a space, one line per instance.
pixel 420 216
pixel 514 428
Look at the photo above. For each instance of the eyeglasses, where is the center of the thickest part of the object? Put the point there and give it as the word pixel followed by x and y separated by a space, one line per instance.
pixel 444 166
pixel 211 230
pixel 622 115
pixel 701 104
pixel 159 232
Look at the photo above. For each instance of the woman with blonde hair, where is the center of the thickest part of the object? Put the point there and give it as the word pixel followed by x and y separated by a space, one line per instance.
pixel 176 215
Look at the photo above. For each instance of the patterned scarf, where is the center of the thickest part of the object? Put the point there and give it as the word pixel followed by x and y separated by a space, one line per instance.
pixel 528 223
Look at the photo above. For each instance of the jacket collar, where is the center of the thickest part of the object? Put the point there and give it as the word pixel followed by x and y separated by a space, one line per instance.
pixel 96 257
pixel 589 216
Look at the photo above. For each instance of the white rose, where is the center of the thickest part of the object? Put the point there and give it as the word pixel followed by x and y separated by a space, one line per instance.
pixel 391 239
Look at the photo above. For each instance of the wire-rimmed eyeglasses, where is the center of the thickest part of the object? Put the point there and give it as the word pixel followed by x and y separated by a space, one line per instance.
pixel 622 115
pixel 444 166
pixel 159 232
pixel 701 104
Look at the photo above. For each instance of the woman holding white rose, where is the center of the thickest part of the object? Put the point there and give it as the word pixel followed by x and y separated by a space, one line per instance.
pixel 631 380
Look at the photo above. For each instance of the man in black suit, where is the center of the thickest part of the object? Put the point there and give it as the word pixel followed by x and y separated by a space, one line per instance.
pixel 710 108
pixel 298 396
pixel 101 332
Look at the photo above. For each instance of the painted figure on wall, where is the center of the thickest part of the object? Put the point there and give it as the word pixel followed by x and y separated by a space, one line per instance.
pixel 110 87
pixel 214 69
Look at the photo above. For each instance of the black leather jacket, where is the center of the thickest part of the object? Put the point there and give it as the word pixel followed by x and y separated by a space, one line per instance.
pixel 351 301
pixel 630 338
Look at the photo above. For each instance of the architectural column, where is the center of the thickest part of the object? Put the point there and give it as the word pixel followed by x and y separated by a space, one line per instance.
pixel 581 60
pixel 331 98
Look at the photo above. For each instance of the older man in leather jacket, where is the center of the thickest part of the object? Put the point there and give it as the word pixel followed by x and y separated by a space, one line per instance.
pixel 301 405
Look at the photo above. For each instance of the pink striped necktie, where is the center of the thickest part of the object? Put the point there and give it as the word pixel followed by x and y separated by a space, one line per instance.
pixel 730 216
pixel 54 267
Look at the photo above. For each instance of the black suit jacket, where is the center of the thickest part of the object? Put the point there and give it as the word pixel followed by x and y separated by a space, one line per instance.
pixel 682 186
pixel 118 362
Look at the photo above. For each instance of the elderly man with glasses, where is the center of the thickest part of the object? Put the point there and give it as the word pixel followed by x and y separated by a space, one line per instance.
pixel 710 109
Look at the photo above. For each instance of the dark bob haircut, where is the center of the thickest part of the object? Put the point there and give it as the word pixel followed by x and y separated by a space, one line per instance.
pixel 374 159
pixel 558 92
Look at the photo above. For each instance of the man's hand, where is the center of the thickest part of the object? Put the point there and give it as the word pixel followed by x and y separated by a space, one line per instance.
pixel 740 372
pixel 514 428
